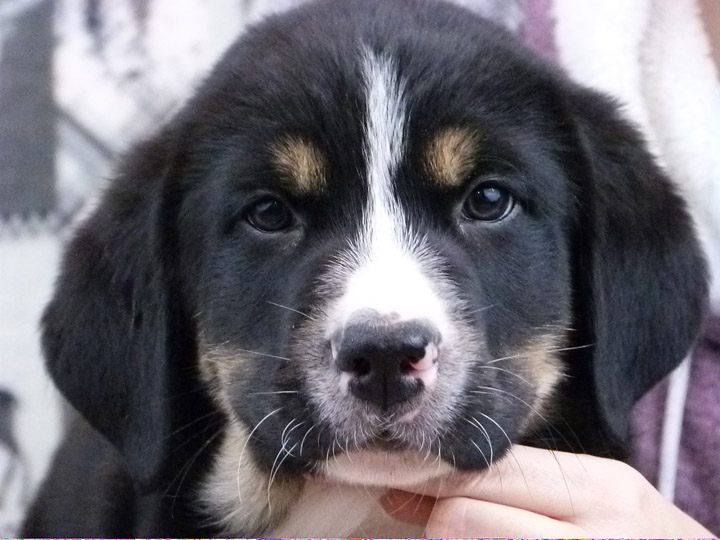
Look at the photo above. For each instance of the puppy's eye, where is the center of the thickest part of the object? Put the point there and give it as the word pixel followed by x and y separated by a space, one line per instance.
pixel 269 215
pixel 488 202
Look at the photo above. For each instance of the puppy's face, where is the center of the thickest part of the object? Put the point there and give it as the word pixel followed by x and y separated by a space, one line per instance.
pixel 382 242
pixel 385 285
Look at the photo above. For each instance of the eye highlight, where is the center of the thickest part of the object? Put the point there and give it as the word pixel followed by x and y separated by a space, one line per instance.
pixel 269 215
pixel 488 202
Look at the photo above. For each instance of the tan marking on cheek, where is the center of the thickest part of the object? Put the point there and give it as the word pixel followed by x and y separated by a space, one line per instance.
pixel 544 366
pixel 451 155
pixel 302 162
pixel 544 370
pixel 219 366
pixel 238 492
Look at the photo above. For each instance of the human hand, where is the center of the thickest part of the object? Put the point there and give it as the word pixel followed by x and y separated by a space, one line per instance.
pixel 539 493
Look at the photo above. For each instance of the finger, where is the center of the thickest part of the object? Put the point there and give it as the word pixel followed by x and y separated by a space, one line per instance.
pixel 460 517
pixel 463 517
pixel 658 518
pixel 408 507
pixel 556 484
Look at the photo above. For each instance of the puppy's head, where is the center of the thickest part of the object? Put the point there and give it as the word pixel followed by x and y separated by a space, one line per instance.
pixel 383 242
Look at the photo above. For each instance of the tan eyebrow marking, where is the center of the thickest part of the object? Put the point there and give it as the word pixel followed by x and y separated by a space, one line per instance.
pixel 450 156
pixel 302 162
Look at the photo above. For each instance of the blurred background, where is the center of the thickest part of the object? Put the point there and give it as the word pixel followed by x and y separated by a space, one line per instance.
pixel 80 80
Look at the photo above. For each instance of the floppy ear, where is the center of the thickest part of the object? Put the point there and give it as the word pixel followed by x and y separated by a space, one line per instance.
pixel 642 283
pixel 116 336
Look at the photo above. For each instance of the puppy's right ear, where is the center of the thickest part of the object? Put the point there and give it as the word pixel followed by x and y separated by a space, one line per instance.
pixel 115 334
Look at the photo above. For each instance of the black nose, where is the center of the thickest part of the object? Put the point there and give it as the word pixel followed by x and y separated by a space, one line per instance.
pixel 386 360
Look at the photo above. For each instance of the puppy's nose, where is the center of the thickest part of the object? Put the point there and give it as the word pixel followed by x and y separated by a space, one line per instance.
pixel 387 362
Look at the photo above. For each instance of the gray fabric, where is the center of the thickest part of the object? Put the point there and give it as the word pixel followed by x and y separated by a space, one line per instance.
pixel 27 171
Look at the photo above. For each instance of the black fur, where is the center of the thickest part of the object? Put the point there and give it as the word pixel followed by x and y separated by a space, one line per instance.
pixel 602 244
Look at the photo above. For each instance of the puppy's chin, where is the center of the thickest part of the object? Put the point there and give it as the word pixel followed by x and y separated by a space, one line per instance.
pixel 381 468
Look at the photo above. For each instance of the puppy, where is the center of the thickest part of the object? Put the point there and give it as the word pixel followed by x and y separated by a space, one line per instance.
pixel 381 244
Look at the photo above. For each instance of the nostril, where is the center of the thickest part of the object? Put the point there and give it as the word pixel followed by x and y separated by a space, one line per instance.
pixel 409 364
pixel 426 361
pixel 361 367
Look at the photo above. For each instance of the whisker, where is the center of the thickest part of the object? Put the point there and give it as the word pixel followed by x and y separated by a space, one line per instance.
pixel 291 309
pixel 510 452
pixel 346 450
pixel 285 435
pixel 487 436
pixel 327 454
pixel 490 390
pixel 557 349
pixel 484 308
pixel 565 480
pixel 555 326
pixel 264 354
pixel 302 442
pixel 274 470
pixel 334 443
pixel 193 422
pixel 477 423
pixel 186 469
pixel 355 440
pixel 482 454
pixel 276 465
pixel 273 393
pixel 422 442
pixel 523 379
pixel 562 349
pixel 501 391
pixel 242 451
pixel 188 439
pixel 438 459
pixel 514 356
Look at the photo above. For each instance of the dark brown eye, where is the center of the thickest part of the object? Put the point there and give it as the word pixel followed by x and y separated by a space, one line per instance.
pixel 488 202
pixel 269 215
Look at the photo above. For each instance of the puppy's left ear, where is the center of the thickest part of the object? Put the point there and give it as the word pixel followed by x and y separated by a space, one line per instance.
pixel 641 282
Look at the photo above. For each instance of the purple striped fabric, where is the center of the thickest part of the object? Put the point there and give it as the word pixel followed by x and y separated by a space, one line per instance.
pixel 697 490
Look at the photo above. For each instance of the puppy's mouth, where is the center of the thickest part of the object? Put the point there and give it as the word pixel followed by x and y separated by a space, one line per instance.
pixel 403 427
pixel 400 455
pixel 383 464
pixel 386 441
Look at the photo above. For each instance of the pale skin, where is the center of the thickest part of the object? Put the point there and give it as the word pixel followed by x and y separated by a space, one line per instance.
pixel 539 493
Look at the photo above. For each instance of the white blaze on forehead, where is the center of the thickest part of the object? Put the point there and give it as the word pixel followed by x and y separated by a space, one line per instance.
pixel 385 264
pixel 385 133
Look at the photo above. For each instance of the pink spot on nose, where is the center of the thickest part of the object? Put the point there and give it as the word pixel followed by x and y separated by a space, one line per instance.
pixel 427 362
pixel 426 368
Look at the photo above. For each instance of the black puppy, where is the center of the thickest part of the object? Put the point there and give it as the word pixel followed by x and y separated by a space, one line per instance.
pixel 382 243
